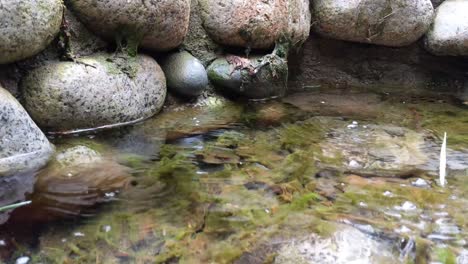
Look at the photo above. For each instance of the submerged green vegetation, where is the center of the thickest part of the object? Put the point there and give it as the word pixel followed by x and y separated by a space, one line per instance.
pixel 229 182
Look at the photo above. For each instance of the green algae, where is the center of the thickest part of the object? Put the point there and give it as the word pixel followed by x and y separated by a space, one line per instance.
pixel 213 217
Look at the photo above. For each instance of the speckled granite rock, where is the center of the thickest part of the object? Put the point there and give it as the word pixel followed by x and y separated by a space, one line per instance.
pixel 96 91
pixel 23 147
pixel 393 23
pixel 256 23
pixel 185 74
pixel 27 27
pixel 158 25
pixel 449 32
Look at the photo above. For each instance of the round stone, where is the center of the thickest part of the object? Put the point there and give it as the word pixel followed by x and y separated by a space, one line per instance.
pixel 94 92
pixel 449 32
pixel 27 27
pixel 185 74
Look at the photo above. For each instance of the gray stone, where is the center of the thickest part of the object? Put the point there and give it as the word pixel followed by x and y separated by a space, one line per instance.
pixel 185 74
pixel 158 25
pixel 449 32
pixel 393 23
pixel 23 146
pixel 27 27
pixel 255 78
pixel 94 92
pixel 257 23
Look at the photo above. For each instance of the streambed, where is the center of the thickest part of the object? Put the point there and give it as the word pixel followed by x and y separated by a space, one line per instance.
pixel 322 176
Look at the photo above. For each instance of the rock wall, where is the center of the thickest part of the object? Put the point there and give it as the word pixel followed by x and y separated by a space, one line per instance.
pixel 49 52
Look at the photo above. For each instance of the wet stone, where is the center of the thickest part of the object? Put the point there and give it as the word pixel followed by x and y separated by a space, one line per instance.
pixel 185 74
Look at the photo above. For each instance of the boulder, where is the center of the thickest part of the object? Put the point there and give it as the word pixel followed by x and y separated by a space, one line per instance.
pixel 393 23
pixel 94 92
pixel 156 25
pixel 449 32
pixel 257 23
pixel 27 27
pixel 185 74
pixel 23 146
pixel 254 78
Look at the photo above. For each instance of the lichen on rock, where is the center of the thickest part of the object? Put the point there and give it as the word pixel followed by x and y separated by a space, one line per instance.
pixel 27 27
pixel 97 91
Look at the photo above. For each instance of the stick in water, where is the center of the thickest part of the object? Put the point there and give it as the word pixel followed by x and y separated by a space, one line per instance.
pixel 443 161
pixel 13 206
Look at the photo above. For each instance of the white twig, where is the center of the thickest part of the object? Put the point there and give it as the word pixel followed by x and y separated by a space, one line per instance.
pixel 443 162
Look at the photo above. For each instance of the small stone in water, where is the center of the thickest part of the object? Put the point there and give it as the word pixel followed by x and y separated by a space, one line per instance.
pixel 403 229
pixel 78 234
pixel 420 183
pixel 107 228
pixel 353 125
pixel 406 206
pixel 354 164
pixel 388 194
pixel 362 204
pixel 22 260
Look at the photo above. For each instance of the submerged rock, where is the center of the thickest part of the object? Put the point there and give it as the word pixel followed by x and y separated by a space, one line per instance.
pixel 348 245
pixel 185 74
pixel 76 180
pixel 449 32
pixel 156 25
pixel 23 146
pixel 389 23
pixel 256 23
pixel 27 27
pixel 255 78
pixel 96 91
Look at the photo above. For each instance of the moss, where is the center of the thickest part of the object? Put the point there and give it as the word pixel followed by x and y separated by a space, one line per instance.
pixel 304 201
pixel 446 256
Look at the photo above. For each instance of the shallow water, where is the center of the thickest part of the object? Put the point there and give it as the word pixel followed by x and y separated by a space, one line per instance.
pixel 319 177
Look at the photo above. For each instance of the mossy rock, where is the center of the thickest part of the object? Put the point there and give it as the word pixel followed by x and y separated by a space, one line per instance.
pixel 254 78
pixel 97 91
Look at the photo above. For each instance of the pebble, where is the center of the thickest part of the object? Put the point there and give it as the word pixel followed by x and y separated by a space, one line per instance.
pixel 22 260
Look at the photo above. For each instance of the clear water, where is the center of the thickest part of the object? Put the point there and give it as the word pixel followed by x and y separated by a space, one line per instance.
pixel 319 177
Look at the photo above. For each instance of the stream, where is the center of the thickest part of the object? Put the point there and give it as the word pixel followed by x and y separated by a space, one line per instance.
pixel 322 176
